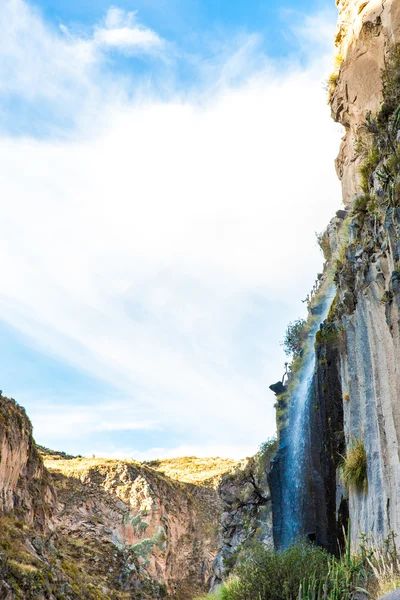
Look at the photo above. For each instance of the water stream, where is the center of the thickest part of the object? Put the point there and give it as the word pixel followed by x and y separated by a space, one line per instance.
pixel 297 474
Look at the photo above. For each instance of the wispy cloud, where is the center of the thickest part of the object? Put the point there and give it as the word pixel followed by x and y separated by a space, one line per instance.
pixel 165 244
pixel 124 32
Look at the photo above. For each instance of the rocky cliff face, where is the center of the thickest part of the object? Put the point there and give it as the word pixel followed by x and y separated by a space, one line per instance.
pixel 367 275
pixel 246 517
pixel 357 379
pixel 94 529
pixel 170 526
pixel 365 31
pixel 25 485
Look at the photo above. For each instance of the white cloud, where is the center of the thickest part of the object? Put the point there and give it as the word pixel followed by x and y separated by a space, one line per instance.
pixel 59 66
pixel 234 451
pixel 122 31
pixel 165 252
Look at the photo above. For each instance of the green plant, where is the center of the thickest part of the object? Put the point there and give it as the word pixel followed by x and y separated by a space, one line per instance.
pixel 387 297
pixel 266 453
pixel 277 576
pixel 361 204
pixel 295 337
pixel 323 243
pixel 355 466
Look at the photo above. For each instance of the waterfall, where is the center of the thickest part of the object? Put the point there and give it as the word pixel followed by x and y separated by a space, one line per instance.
pixel 297 476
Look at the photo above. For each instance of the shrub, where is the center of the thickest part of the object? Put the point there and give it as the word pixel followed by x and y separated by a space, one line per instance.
pixel 355 466
pixel 361 204
pixel 295 336
pixel 323 243
pixel 265 454
pixel 276 575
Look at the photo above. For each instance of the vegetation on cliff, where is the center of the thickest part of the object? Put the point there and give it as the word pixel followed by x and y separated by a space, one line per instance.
pixel 355 466
pixel 306 572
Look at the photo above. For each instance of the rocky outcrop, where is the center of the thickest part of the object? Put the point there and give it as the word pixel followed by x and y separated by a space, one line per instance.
pixel 98 529
pixel 246 512
pixel 170 526
pixel 357 379
pixel 365 30
pixel 369 301
pixel 367 275
pixel 25 486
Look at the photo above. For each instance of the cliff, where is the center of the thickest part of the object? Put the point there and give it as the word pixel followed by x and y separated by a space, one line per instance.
pixel 78 528
pixel 365 101
pixel 366 29
pixel 246 517
pixel 353 409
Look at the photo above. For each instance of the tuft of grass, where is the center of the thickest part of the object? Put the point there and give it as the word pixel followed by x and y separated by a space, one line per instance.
pixel 355 466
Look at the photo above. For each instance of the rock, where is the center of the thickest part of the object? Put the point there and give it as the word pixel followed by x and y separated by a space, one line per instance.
pixel 247 515
pixel 395 595
pixel 6 591
pixel 341 214
pixel 117 523
pixel 278 388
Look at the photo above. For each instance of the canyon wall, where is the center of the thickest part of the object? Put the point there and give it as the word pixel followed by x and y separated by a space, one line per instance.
pixel 365 31
pixel 356 387
pixel 97 529
pixel 367 274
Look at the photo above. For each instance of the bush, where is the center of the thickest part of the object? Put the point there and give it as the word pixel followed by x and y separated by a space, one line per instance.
pixel 295 336
pixel 265 454
pixel 269 575
pixel 355 466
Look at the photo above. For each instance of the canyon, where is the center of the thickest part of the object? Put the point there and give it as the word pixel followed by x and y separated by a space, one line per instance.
pixel 75 528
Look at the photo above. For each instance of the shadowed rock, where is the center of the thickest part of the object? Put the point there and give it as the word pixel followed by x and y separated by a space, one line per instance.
pixel 391 596
pixel 278 388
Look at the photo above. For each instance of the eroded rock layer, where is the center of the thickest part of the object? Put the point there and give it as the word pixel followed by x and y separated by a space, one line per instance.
pixel 95 529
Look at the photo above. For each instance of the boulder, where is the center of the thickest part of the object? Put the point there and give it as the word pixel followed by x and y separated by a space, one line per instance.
pixel 278 388
pixel 395 595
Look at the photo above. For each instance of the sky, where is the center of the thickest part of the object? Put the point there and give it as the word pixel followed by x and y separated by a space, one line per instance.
pixel 165 165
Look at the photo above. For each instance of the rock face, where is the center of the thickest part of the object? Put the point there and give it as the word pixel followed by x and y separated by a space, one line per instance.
pixel 170 526
pixel 367 278
pixel 365 30
pixel 247 515
pixel 357 379
pixel 93 529
pixel 25 484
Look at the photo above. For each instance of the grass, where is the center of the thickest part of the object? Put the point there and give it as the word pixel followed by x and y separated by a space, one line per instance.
pixel 355 466
pixel 305 572
pixel 269 575
pixel 197 471
pixel 205 472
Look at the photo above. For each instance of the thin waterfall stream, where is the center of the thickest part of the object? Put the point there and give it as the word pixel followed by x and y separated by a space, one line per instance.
pixel 297 475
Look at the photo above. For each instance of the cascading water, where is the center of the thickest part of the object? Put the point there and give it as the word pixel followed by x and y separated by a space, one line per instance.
pixel 297 475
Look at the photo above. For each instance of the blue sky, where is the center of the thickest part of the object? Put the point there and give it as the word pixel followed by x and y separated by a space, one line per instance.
pixel 166 165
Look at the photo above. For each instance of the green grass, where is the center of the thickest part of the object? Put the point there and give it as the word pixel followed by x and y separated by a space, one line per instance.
pixel 355 466
pixel 305 572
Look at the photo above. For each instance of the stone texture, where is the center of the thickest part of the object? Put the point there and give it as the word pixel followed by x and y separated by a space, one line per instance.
pixel 365 29
pixel 95 529
pixel 171 526
pixel 24 482
pixel 395 595
pixel 246 516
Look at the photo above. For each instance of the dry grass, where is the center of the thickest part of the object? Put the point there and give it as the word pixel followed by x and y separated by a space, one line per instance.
pixel 355 466
pixel 197 471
